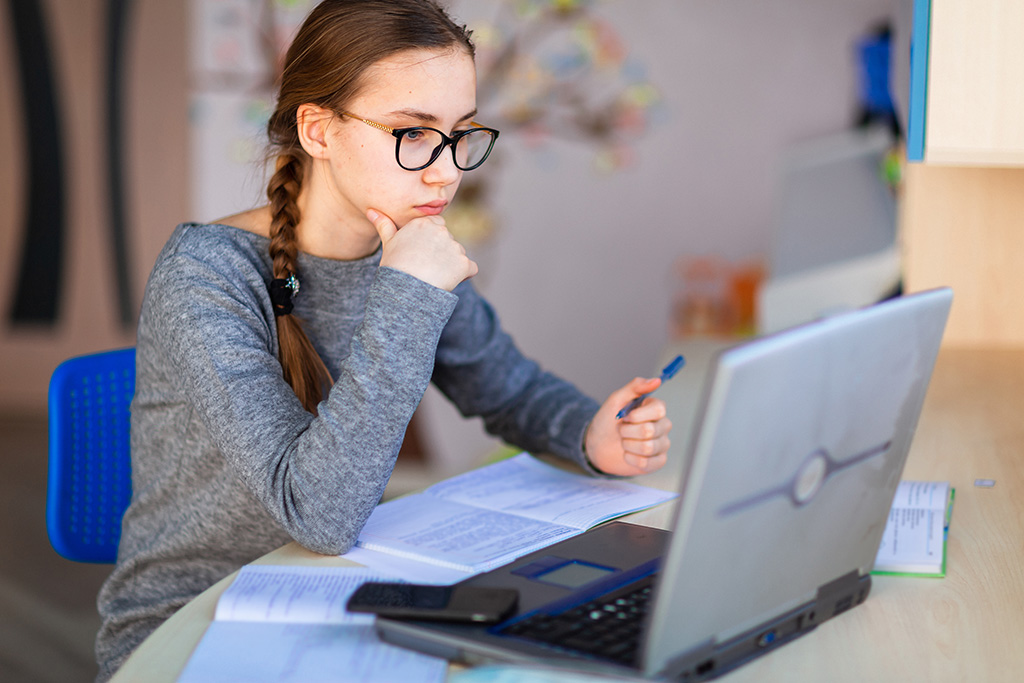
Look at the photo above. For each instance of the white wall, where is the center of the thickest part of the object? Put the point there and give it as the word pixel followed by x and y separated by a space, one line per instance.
pixel 580 270
pixel 580 273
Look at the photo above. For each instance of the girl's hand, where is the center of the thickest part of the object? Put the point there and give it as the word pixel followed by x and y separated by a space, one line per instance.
pixel 636 444
pixel 424 249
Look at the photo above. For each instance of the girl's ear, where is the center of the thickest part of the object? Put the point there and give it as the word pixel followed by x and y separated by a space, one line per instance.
pixel 311 121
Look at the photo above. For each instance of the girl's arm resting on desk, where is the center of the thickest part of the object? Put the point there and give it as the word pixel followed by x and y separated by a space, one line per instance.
pixel 318 477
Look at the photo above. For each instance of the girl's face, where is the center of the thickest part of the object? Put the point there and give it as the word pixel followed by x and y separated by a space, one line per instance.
pixel 435 88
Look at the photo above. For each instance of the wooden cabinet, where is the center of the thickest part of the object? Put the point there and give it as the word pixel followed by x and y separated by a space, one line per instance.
pixel 962 219
pixel 963 227
pixel 967 83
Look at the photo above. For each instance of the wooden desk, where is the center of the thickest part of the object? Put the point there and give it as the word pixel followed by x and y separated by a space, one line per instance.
pixel 965 627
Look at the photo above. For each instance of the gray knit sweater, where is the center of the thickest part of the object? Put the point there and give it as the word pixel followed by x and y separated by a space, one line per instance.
pixel 226 463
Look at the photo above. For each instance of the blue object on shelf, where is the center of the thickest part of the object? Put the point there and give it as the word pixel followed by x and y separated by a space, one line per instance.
pixel 89 483
pixel 918 105
pixel 874 81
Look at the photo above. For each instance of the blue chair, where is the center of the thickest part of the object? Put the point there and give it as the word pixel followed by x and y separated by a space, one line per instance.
pixel 89 484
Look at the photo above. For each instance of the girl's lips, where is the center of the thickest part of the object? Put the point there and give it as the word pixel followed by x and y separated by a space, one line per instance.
pixel 433 208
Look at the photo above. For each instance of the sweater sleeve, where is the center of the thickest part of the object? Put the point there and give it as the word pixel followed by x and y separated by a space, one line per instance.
pixel 479 368
pixel 318 477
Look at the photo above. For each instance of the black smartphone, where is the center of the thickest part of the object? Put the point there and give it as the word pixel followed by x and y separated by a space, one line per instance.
pixel 458 603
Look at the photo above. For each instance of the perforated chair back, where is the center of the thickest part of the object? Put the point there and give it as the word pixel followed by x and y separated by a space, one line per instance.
pixel 90 483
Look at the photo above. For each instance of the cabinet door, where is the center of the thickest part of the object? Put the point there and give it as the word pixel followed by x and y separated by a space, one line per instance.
pixel 963 227
pixel 967 63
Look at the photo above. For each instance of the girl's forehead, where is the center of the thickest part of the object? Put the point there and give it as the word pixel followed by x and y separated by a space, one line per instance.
pixel 440 82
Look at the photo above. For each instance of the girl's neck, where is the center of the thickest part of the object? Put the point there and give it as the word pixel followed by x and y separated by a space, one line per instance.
pixel 322 236
pixel 328 232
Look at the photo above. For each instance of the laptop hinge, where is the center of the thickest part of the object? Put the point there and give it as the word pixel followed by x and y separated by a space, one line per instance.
pixel 710 659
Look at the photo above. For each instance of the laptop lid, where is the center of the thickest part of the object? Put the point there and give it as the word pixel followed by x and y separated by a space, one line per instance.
pixel 794 465
pixel 796 455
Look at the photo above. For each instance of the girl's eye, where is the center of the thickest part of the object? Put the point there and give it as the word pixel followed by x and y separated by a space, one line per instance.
pixel 415 135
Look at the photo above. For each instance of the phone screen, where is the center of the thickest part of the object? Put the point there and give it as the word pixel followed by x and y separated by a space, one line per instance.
pixel 406 595
pixel 444 603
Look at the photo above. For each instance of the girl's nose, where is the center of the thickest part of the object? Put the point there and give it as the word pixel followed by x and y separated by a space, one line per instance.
pixel 443 171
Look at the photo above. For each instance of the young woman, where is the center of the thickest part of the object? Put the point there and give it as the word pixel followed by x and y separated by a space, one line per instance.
pixel 282 351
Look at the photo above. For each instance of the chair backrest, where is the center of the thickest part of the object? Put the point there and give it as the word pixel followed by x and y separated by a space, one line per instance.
pixel 89 484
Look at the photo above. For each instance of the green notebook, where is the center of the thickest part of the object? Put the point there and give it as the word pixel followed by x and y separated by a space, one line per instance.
pixel 914 542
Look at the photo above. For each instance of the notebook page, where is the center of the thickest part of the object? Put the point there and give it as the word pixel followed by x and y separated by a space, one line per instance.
pixel 530 488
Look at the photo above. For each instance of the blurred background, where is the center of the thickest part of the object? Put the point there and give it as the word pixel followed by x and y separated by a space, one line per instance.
pixel 667 170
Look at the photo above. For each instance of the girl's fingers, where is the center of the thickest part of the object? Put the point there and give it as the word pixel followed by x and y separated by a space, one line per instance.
pixel 646 430
pixel 647 464
pixel 647 448
pixel 385 227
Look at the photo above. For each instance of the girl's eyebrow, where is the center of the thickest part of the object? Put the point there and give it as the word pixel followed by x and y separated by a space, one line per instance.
pixel 425 117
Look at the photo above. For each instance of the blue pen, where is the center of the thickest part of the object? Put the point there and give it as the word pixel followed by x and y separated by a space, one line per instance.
pixel 668 373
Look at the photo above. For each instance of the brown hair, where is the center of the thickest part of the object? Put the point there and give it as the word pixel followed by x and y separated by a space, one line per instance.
pixel 324 65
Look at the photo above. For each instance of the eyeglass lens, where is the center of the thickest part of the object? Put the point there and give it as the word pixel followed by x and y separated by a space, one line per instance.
pixel 418 148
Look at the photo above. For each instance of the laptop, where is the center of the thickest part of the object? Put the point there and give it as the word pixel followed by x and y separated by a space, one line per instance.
pixel 795 458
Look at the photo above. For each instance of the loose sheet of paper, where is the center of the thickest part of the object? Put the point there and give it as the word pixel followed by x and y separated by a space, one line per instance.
pixel 284 623
pixel 250 652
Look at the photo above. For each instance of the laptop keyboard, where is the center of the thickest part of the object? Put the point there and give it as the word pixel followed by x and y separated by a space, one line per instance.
pixel 607 628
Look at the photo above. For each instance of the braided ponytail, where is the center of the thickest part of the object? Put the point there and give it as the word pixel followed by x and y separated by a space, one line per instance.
pixel 303 368
pixel 325 64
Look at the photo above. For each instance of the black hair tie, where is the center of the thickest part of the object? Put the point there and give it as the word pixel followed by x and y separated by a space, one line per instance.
pixel 282 291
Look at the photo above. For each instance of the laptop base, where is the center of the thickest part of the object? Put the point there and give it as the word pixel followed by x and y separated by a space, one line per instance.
pixel 710 660
pixel 476 645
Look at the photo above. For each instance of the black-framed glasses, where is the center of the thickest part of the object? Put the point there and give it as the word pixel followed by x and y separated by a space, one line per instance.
pixel 420 146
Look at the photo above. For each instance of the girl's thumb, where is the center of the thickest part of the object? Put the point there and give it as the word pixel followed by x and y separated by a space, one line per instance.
pixel 385 227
